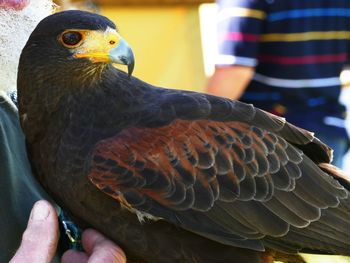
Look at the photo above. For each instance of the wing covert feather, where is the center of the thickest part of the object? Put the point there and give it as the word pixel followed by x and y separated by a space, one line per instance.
pixel 204 168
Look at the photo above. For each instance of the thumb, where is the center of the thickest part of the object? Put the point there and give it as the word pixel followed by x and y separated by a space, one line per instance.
pixel 39 240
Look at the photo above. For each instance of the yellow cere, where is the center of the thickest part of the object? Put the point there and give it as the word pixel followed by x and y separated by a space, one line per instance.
pixel 97 45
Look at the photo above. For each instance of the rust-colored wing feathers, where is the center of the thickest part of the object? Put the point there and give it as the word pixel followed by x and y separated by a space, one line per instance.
pixel 229 181
pixel 222 161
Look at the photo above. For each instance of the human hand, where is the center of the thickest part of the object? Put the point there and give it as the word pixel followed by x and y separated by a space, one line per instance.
pixel 98 249
pixel 15 4
pixel 39 240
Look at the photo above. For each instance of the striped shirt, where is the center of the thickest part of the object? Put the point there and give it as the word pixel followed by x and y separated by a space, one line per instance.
pixel 298 49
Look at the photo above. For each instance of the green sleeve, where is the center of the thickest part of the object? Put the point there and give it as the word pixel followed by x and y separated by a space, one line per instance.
pixel 18 188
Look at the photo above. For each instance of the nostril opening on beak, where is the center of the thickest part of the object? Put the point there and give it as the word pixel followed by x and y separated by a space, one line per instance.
pixel 124 60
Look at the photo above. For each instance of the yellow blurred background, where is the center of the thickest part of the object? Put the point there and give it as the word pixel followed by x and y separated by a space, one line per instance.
pixel 165 41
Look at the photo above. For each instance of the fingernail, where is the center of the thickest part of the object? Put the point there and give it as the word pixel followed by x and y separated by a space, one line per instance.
pixel 40 211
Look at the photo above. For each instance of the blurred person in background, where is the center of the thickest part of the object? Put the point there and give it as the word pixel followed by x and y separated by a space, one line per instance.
pixel 18 188
pixel 286 57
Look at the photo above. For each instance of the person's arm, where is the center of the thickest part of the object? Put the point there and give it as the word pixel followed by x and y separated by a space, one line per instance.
pixel 239 26
pixel 230 81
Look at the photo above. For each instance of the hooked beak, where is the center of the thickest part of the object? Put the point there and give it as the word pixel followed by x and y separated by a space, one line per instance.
pixel 122 54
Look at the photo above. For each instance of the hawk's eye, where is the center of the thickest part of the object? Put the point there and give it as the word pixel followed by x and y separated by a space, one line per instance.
pixel 72 38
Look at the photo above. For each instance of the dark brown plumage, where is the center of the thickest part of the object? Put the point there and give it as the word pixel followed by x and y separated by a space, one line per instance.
pixel 213 180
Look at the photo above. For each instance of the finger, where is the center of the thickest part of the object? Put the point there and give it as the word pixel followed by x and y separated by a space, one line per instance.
pixel 101 249
pixel 39 240
pixel 72 256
